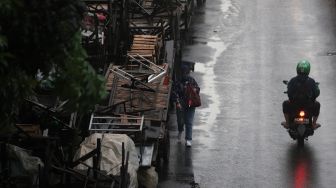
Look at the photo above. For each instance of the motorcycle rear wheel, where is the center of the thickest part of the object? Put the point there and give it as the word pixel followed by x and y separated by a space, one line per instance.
pixel 300 142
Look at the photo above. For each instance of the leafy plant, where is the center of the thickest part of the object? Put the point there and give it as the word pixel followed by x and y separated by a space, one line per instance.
pixel 44 37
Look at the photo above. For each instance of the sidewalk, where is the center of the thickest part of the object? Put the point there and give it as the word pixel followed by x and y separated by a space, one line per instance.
pixel 179 172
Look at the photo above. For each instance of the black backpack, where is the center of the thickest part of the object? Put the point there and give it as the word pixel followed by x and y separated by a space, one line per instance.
pixel 303 93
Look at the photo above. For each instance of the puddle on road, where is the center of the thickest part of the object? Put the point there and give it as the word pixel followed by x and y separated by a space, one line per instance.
pixel 195 40
pixel 225 6
pixel 209 114
pixel 331 53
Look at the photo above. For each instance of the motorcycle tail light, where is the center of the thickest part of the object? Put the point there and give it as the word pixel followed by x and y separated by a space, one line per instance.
pixel 302 114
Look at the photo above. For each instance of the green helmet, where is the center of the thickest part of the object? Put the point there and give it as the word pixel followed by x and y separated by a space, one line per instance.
pixel 303 67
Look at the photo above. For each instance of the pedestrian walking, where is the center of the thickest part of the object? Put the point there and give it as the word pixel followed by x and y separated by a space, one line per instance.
pixel 186 97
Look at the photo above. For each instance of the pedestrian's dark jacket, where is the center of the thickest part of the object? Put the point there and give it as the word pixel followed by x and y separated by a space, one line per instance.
pixel 178 94
pixel 311 89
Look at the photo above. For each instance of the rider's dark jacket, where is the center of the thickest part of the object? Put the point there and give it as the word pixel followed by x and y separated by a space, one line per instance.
pixel 296 84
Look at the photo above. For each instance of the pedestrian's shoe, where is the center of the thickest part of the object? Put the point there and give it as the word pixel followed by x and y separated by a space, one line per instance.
pixel 188 143
pixel 316 126
pixel 179 136
pixel 285 125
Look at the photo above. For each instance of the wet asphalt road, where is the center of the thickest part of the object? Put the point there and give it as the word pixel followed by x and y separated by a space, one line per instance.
pixel 244 49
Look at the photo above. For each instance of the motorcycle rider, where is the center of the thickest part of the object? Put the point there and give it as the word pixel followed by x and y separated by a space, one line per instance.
pixel 302 92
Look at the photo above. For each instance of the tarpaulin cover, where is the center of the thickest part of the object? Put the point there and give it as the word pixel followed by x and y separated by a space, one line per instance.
pixel 22 163
pixel 111 154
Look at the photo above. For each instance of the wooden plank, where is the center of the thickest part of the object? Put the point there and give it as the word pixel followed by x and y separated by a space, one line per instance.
pixel 141 51
pixel 145 36
pixel 145 39
pixel 143 55
pixel 30 129
pixel 143 46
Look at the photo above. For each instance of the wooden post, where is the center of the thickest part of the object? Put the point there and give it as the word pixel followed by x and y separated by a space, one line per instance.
pixel 4 165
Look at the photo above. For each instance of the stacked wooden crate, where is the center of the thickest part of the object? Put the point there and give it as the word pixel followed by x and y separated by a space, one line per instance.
pixel 155 102
pixel 147 46
pixel 30 129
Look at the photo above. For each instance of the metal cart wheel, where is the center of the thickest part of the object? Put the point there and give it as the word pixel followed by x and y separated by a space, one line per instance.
pixel 163 149
pixel 166 147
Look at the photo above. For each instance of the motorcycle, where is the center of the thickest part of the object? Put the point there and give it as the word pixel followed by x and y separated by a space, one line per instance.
pixel 300 127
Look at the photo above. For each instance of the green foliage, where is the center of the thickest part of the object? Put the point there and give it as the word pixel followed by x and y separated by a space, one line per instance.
pixel 78 80
pixel 44 36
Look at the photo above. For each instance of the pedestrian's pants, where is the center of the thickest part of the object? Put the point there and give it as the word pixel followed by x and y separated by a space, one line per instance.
pixel 185 117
